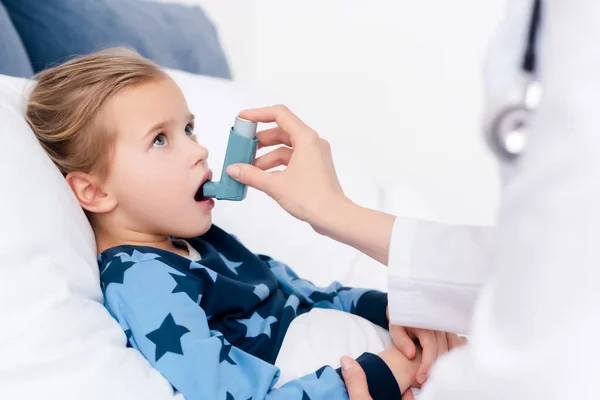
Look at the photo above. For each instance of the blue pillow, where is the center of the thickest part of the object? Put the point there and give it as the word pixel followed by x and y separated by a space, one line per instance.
pixel 13 57
pixel 172 35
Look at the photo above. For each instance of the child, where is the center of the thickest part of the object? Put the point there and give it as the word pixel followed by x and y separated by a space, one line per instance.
pixel 204 310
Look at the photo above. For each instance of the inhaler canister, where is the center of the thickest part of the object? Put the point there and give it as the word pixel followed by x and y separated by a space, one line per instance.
pixel 241 148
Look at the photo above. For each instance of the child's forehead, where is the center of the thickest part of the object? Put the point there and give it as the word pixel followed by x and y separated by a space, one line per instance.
pixel 155 92
pixel 137 108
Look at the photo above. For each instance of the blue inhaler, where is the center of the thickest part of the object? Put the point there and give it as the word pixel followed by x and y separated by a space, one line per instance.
pixel 241 148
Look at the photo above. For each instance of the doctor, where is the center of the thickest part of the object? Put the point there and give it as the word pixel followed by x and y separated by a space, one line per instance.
pixel 528 291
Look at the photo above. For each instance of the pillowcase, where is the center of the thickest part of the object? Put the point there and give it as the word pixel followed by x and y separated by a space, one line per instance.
pixel 171 35
pixel 13 57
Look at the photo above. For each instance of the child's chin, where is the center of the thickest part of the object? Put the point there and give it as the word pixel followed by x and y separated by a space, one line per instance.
pixel 204 225
pixel 192 228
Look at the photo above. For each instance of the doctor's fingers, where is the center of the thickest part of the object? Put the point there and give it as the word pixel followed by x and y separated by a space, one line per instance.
pixel 355 379
pixel 275 158
pixel 291 125
pixel 454 340
pixel 442 343
pixel 408 395
pixel 428 343
pixel 402 341
pixel 273 137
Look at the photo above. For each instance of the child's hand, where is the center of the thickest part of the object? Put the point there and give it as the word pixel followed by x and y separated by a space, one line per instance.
pixel 404 370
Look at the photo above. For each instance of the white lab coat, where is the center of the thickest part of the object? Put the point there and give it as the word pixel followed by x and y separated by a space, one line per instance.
pixel 527 291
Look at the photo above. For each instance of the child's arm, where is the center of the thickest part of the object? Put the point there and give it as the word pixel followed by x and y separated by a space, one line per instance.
pixel 367 303
pixel 166 324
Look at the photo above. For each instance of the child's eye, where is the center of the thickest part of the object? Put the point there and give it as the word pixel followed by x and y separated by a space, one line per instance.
pixel 189 130
pixel 160 140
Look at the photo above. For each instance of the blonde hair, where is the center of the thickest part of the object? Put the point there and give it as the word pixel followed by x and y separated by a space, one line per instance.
pixel 65 103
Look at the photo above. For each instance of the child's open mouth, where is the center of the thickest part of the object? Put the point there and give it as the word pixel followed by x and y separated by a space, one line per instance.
pixel 199 196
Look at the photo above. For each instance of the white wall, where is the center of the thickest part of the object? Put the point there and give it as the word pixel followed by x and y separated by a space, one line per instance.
pixel 395 84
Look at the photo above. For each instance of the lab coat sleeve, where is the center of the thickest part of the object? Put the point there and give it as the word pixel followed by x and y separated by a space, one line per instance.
pixel 435 274
pixel 437 270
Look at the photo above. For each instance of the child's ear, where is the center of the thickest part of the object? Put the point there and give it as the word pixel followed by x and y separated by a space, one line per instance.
pixel 90 193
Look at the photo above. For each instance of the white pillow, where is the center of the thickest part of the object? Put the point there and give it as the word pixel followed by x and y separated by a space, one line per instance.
pixel 56 338
pixel 57 341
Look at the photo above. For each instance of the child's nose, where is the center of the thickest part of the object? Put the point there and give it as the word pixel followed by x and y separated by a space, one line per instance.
pixel 200 154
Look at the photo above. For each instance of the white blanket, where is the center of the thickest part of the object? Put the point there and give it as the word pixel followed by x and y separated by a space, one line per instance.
pixel 321 337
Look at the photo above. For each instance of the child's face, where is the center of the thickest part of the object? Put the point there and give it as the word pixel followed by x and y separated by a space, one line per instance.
pixel 158 165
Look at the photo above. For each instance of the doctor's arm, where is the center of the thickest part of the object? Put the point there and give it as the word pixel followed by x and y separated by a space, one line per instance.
pixel 433 273
pixel 309 190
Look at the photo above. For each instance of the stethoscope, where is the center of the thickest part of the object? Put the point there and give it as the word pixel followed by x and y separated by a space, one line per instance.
pixel 507 131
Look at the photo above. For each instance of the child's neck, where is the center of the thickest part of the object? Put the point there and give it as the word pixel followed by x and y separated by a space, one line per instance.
pixel 105 240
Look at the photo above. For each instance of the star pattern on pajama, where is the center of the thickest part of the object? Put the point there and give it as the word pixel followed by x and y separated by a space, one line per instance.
pixel 293 301
pixel 137 256
pixel 187 286
pixel 212 274
pixel 115 274
pixel 115 270
pixel 319 372
pixel 232 265
pixel 257 325
pixel 225 350
pixel 262 291
pixel 167 337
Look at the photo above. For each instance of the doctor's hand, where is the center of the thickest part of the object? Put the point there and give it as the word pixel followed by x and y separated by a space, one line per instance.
pixel 434 344
pixel 308 188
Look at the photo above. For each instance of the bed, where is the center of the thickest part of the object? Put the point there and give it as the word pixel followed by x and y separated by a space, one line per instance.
pixel 57 340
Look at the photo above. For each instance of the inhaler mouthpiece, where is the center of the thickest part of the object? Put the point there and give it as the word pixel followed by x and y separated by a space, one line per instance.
pixel 241 148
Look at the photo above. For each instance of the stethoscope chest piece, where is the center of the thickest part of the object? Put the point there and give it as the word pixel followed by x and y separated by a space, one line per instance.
pixel 508 130
pixel 508 135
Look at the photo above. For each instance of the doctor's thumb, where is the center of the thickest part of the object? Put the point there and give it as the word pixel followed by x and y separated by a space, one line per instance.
pixel 355 379
pixel 251 176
